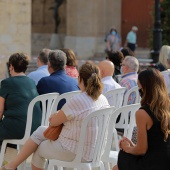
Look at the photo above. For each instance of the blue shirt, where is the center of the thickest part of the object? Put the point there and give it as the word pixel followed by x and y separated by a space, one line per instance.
pixel 131 37
pixel 58 82
pixel 41 72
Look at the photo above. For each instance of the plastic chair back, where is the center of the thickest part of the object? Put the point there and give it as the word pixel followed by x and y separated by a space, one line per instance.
pixel 128 93
pixel 65 96
pixel 47 101
pixel 115 97
pixel 108 156
pixel 103 117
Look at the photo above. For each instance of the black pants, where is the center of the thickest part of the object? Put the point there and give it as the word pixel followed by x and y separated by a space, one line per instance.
pixel 132 46
pixel 9 145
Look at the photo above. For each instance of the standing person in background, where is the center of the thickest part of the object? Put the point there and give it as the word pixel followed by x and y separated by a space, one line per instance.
pixel 131 39
pixel 112 41
pixel 71 64
pixel 42 70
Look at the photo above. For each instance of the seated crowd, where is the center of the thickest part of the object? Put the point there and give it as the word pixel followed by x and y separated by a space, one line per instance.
pixel 57 72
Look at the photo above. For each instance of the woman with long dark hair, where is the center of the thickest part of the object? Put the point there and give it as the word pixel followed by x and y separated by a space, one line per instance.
pixel 152 151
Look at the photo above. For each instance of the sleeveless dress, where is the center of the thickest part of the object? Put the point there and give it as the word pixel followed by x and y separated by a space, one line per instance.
pixel 157 156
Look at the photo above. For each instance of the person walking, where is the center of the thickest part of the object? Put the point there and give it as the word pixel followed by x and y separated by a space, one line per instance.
pixel 131 39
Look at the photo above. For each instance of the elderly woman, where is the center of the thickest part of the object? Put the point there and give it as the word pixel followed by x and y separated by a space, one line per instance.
pixel 71 115
pixel 16 93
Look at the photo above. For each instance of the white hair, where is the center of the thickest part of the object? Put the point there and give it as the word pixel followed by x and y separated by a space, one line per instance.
pixel 134 28
pixel 132 63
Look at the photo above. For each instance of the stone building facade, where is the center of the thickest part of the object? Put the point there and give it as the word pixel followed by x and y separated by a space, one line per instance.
pixel 15 29
pixel 83 25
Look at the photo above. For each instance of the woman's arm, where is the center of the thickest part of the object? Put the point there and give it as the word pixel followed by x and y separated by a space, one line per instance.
pixel 57 118
pixel 142 118
pixel 2 103
pixel 108 45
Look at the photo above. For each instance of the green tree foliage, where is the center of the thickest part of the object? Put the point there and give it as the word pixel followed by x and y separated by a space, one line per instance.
pixel 165 20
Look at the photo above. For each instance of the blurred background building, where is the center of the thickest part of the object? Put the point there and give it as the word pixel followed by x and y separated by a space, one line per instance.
pixel 30 25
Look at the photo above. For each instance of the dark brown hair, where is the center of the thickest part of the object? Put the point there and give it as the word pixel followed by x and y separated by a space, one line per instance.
pixel 156 96
pixel 90 75
pixel 71 58
pixel 116 57
pixel 19 61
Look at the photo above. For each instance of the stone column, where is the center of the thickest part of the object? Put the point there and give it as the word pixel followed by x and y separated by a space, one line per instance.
pixel 87 22
pixel 15 29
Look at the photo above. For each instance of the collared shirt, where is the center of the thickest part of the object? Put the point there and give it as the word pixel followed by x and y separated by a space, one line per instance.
pixel 129 81
pixel 76 109
pixel 131 37
pixel 41 72
pixel 109 84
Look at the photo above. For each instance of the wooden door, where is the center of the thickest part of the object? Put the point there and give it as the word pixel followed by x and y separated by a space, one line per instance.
pixel 138 13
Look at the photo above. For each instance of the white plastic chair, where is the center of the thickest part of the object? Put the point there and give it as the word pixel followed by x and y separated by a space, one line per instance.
pixel 65 96
pixel 129 92
pixel 47 101
pixel 103 117
pixel 110 156
pixel 115 97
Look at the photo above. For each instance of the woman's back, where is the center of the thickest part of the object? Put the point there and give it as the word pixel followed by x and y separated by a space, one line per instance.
pixel 18 91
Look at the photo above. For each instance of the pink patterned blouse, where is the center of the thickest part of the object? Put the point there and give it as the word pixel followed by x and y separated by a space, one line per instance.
pixel 71 71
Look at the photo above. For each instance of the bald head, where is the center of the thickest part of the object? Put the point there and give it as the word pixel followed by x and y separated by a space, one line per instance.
pixel 106 68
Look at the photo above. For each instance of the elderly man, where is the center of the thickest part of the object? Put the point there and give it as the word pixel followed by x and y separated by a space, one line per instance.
pixel 107 70
pixel 131 38
pixel 130 66
pixel 42 70
pixel 58 81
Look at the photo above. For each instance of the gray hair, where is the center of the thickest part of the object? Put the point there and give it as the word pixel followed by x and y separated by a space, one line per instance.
pixel 134 28
pixel 43 55
pixel 132 63
pixel 57 59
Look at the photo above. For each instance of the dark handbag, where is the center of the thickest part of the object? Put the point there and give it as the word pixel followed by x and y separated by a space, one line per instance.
pixel 53 132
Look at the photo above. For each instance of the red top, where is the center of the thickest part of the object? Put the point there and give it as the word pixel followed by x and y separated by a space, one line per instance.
pixel 72 71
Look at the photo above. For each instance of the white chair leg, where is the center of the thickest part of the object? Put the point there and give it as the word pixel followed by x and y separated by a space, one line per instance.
pixel 60 168
pixel 107 166
pixel 50 167
pixel 3 147
pixel 101 166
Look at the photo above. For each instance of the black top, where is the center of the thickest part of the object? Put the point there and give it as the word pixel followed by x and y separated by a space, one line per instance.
pixel 157 156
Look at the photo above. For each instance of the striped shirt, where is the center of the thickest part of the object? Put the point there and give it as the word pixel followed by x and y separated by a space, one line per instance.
pixel 129 81
pixel 76 110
